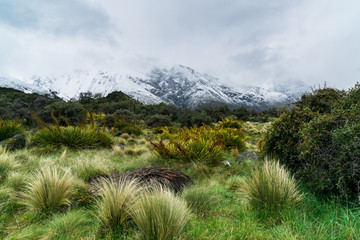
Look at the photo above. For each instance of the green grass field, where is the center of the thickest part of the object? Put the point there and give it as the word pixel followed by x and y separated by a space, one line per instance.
pixel 217 206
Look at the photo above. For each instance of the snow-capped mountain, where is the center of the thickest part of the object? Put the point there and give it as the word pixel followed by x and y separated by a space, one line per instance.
pixel 9 82
pixel 180 85
pixel 184 87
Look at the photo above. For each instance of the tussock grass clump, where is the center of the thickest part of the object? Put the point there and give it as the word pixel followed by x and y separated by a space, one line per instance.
pixel 270 187
pixel 136 151
pixel 7 164
pixel 72 137
pixel 72 225
pixel 10 128
pixel 117 150
pixel 160 215
pixel 49 190
pixel 116 197
pixel 6 201
pixel 87 167
pixel 234 183
pixel 17 180
pixel 199 199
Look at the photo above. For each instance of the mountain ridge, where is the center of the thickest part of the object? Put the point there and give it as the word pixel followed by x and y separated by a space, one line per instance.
pixel 180 85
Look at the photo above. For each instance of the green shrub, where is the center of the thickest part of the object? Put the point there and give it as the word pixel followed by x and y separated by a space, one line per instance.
pixel 282 140
pixel 228 123
pixel 72 137
pixel 158 120
pixel 116 198
pixel 160 215
pixel 270 187
pixel 49 190
pixel 318 140
pixel 10 128
pixel 73 112
pixel 132 127
pixel 190 151
pixel 198 144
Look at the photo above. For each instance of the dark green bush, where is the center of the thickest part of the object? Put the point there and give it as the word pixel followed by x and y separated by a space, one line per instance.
pixel 131 127
pixel 319 141
pixel 10 128
pixel 72 111
pixel 158 120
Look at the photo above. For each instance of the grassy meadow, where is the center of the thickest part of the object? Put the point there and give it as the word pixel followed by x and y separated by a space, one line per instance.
pixel 44 191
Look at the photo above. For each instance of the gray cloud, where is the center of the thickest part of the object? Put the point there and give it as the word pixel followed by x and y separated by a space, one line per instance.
pixel 241 42
pixel 256 58
pixel 57 17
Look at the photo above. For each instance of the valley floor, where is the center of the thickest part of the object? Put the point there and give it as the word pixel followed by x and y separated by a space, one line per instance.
pixel 218 207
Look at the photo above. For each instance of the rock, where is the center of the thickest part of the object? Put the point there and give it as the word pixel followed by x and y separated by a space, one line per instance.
pixel 121 145
pixel 150 176
pixel 14 143
pixel 247 154
pixel 226 163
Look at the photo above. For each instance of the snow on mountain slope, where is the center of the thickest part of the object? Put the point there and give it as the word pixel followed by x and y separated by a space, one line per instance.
pixel 71 85
pixel 180 85
pixel 187 88
pixel 9 82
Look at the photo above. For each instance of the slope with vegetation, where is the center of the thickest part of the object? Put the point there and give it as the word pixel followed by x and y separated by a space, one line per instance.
pixel 45 191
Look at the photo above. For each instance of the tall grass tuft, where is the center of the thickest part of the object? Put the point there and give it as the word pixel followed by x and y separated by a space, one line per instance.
pixel 10 128
pixel 200 199
pixel 49 190
pixel 270 187
pixel 7 163
pixel 160 215
pixel 72 225
pixel 116 197
pixel 17 180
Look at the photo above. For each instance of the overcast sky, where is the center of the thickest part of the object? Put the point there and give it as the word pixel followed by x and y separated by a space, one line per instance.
pixel 240 41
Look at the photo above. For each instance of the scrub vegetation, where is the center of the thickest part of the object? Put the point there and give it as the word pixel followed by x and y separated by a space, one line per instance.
pixel 67 182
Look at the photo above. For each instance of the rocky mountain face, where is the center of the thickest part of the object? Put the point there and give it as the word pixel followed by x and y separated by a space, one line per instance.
pixel 180 86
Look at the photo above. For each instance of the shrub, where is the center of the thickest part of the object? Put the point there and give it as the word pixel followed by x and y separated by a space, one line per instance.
pixel 49 190
pixel 115 200
pixel 132 127
pixel 228 123
pixel 198 144
pixel 160 215
pixel 190 151
pixel 73 112
pixel 158 120
pixel 72 137
pixel 10 128
pixel 283 138
pixel 270 187
pixel 318 141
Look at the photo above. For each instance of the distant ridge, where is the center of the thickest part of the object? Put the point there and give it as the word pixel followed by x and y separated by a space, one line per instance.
pixel 180 85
